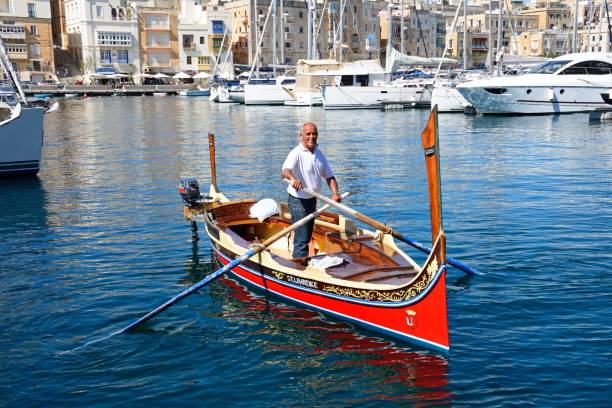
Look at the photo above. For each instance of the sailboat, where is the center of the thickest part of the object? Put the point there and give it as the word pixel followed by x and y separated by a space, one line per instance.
pixel 275 90
pixel 21 126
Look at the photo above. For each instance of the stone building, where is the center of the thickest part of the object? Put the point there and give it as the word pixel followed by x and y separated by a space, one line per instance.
pixel 25 28
pixel 349 34
pixel 103 36
pixel 202 30
pixel 424 30
pixel 158 33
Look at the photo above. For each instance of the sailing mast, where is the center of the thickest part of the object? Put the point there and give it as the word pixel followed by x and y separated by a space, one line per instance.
pixel 402 26
pixel 575 32
pixel 310 30
pixel 274 27
pixel 465 35
pixel 282 30
pixel 490 39
pixel 500 30
pixel 609 26
pixel 389 32
pixel 10 73
pixel 261 38
pixel 220 51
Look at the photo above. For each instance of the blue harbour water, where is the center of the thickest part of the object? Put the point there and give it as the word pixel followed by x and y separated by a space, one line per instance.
pixel 98 239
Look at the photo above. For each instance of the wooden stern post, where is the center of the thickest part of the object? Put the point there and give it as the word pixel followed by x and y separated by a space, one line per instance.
pixel 213 166
pixel 431 146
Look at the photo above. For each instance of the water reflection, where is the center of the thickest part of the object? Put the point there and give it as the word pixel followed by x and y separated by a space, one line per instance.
pixel 305 340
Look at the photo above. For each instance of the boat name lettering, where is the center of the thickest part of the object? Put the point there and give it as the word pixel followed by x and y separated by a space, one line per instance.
pixel 303 282
pixel 430 151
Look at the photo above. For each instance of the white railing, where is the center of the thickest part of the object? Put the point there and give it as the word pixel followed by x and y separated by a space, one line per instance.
pixel 12 31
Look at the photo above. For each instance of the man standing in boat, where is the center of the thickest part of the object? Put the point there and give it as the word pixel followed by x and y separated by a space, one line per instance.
pixel 306 166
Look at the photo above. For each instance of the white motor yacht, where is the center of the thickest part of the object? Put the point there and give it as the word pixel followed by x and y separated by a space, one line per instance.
pixel 269 91
pixel 364 85
pixel 570 83
pixel 445 94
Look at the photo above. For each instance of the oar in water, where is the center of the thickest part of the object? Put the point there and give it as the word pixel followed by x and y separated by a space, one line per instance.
pixel 253 250
pixel 388 230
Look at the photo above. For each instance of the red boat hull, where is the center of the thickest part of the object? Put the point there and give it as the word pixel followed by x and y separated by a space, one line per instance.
pixel 421 321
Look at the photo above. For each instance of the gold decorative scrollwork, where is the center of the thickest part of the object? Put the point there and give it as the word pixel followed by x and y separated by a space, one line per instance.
pixel 278 275
pixel 388 296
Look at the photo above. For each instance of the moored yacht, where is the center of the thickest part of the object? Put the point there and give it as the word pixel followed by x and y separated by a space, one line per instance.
pixel 365 85
pixel 570 83
pixel 21 126
pixel 274 91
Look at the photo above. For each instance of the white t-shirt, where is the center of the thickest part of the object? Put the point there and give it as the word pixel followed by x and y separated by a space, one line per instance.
pixel 310 168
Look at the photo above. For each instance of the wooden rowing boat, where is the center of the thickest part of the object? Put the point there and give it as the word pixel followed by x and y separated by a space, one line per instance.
pixel 376 286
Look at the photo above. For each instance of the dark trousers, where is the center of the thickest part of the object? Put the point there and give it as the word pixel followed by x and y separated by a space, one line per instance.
pixel 300 208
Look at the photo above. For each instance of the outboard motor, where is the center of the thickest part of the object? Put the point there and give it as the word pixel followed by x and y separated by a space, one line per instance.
pixel 189 189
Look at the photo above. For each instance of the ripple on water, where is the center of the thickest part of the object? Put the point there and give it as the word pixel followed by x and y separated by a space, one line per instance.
pixel 98 240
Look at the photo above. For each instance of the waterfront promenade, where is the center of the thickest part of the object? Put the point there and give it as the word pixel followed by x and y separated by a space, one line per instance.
pixel 105 90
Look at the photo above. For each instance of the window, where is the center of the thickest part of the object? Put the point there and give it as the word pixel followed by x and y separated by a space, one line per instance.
pixel 114 38
pixel 301 14
pixel 188 41
pixel 122 56
pixel 590 68
pixel 99 12
pixel 31 10
pixel 203 60
pixel 218 27
pixel 34 51
pixel 105 56
pixel 549 67
pixel 496 91
pixel 36 65
pixel 34 29
pixel 201 40
pixel 217 42
pixel 301 30
pixel 5 6
pixel 189 60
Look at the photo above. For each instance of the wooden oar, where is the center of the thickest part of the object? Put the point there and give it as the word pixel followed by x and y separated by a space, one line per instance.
pixel 387 230
pixel 253 250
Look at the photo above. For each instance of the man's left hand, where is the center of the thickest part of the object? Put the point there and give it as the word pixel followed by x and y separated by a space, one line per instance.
pixel 336 197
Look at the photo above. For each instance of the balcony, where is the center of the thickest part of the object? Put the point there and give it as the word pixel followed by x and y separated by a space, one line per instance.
pixel 189 46
pixel 17 51
pixel 105 61
pixel 158 46
pixel 204 67
pixel 159 64
pixel 12 31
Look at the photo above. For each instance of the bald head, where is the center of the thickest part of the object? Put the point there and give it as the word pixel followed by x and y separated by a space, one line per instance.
pixel 309 135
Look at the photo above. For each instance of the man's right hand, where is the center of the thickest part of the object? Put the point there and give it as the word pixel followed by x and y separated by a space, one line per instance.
pixel 297 184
